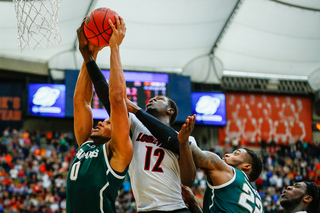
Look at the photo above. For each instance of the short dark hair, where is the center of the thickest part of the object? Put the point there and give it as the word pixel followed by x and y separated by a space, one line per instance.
pixel 314 191
pixel 256 163
pixel 174 106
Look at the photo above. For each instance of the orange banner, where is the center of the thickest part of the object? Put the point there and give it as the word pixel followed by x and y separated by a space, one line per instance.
pixel 252 118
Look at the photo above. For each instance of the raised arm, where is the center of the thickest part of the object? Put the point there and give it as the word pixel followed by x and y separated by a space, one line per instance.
pixel 188 169
pixel 83 121
pixel 120 144
pixel 100 84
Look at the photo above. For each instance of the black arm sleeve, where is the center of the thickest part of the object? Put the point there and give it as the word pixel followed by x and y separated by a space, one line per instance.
pixel 167 136
pixel 100 84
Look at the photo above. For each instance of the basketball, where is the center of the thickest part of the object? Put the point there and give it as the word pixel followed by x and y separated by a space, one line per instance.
pixel 97 28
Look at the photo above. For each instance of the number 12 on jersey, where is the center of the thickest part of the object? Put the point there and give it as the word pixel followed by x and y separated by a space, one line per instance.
pixel 157 152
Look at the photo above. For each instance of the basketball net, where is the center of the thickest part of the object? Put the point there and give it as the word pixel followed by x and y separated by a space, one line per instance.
pixel 37 22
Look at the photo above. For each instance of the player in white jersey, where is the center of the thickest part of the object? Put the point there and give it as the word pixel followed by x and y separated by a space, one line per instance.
pixel 156 173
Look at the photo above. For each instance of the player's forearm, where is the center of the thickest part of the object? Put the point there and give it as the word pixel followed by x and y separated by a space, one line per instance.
pixel 100 84
pixel 83 90
pixel 166 136
pixel 117 85
pixel 205 159
pixel 86 55
pixel 187 166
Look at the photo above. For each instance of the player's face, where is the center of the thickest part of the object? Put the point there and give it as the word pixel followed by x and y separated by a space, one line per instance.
pixel 158 103
pixel 293 192
pixel 236 158
pixel 102 130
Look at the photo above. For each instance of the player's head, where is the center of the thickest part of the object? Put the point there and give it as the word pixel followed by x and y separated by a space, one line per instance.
pixel 246 160
pixel 102 132
pixel 162 105
pixel 305 195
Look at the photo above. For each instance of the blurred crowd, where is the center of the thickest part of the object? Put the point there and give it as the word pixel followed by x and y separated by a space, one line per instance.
pixel 34 168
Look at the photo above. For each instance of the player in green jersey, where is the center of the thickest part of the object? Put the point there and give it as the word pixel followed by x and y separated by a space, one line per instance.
pixel 228 181
pixel 105 152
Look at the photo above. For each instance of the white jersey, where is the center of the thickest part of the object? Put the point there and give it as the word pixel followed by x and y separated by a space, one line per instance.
pixel 154 171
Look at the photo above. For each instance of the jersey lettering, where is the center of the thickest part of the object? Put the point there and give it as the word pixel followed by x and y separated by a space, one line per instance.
pixel 91 154
pixel 147 138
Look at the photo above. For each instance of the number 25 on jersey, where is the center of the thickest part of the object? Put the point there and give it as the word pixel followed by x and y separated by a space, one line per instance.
pixel 250 195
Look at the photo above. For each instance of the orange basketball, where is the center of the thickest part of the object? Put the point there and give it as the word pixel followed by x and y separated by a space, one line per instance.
pixel 97 28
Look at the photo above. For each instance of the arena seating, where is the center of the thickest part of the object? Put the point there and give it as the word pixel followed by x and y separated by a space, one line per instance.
pixel 34 167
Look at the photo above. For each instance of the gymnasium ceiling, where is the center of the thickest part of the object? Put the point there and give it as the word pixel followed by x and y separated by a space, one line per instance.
pixel 204 39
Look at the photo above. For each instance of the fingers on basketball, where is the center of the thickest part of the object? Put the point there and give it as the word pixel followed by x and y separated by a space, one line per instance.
pixel 121 21
pixel 117 20
pixel 111 25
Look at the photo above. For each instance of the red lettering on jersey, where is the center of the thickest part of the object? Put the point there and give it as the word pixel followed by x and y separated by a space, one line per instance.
pixel 147 138
pixel 139 136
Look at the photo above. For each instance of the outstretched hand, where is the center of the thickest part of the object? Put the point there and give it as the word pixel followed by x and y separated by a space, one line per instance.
pixel 86 48
pixel 186 129
pixel 118 33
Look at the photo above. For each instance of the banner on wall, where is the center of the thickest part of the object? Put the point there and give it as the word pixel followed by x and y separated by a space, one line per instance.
pixel 284 119
pixel 10 105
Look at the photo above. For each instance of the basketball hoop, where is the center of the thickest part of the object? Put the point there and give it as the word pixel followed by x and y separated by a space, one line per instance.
pixel 37 22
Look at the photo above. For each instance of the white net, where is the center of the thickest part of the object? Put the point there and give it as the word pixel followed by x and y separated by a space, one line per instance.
pixel 37 22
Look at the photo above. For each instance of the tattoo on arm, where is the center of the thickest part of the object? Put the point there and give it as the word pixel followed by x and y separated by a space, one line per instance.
pixel 205 159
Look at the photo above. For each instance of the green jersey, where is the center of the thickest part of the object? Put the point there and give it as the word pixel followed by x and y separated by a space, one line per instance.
pixel 237 195
pixel 92 185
